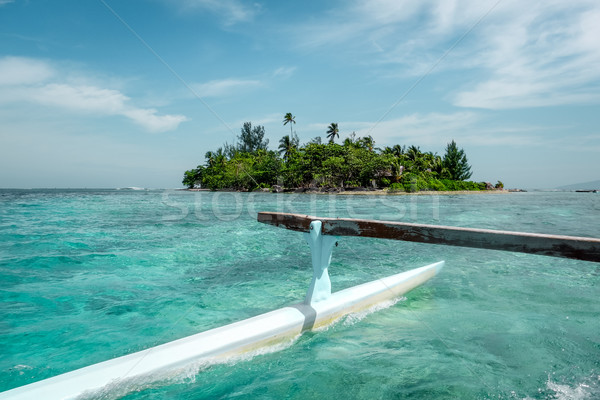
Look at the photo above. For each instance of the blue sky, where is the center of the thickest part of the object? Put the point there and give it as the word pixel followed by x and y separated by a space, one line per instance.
pixel 107 93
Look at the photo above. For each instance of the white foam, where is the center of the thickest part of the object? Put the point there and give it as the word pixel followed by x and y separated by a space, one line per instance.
pixel 589 389
pixel 354 318
pixel 566 392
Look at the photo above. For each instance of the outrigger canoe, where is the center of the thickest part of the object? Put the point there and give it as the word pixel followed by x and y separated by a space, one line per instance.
pixel 320 308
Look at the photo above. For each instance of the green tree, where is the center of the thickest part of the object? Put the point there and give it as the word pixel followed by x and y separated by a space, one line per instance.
pixel 437 166
pixel 398 150
pixel 287 143
pixel 252 139
pixel 413 153
pixel 367 143
pixel 350 140
pixel 239 172
pixel 210 158
pixel 333 171
pixel 333 132
pixel 289 119
pixel 267 168
pixel 456 164
pixel 230 150
pixel 293 169
pixel 193 177
pixel 249 164
pixel 220 158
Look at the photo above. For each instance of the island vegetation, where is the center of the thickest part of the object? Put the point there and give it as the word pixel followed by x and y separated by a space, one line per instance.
pixel 354 164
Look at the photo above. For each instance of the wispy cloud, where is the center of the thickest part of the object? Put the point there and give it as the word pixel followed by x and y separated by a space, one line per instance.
pixel 235 86
pixel 4 2
pixel 434 130
pixel 520 55
pixel 23 71
pixel 424 129
pixel 398 32
pixel 231 11
pixel 35 81
pixel 225 87
pixel 273 119
pixel 546 54
pixel 284 72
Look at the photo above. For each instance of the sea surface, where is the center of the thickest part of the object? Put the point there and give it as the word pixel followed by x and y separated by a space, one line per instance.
pixel 89 275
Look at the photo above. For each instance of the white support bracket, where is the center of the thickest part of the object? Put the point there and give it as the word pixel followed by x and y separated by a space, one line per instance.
pixel 320 248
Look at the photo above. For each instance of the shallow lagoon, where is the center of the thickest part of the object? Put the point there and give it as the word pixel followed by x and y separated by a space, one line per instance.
pixel 88 275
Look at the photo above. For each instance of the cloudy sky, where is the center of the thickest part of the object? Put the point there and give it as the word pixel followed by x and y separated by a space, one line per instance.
pixel 107 93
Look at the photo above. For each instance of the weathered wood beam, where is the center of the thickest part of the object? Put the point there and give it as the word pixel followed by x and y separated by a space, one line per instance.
pixel 579 248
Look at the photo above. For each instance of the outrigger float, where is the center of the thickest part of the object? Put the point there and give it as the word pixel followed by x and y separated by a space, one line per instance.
pixel 319 308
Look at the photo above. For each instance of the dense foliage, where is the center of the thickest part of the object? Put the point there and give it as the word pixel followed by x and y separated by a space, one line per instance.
pixel 455 162
pixel 249 164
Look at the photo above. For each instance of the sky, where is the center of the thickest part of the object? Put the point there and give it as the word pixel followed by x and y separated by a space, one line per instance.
pixel 107 93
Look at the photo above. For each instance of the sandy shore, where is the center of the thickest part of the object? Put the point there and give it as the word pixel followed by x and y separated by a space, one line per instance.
pixel 378 192
pixel 422 193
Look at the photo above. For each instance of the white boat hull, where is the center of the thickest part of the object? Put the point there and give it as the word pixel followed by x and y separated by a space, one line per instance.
pixel 140 369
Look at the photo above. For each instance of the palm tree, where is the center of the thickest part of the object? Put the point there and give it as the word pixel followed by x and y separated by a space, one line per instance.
pixel 398 150
pixel 426 161
pixel 287 144
pixel 333 132
pixel 437 165
pixel 289 118
pixel 397 170
pixel 351 140
pixel 210 158
pixel 220 158
pixel 367 142
pixel 413 153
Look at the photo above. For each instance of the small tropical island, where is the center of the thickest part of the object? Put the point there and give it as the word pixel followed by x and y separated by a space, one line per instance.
pixel 355 165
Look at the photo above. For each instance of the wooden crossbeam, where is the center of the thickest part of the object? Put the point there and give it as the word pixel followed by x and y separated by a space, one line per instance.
pixel 579 248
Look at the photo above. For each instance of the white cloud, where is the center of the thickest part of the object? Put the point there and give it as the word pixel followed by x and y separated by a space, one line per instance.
pixel 26 80
pixel 224 87
pixel 546 54
pixel 19 71
pixel 423 129
pixel 235 86
pixel 396 29
pixel 512 54
pixel 148 118
pixel 273 119
pixel 284 72
pixel 82 98
pixel 435 130
pixel 232 11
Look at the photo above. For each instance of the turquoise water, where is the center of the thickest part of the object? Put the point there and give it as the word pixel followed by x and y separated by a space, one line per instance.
pixel 88 275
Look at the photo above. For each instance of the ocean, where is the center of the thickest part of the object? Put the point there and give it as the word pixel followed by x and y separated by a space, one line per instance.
pixel 89 275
